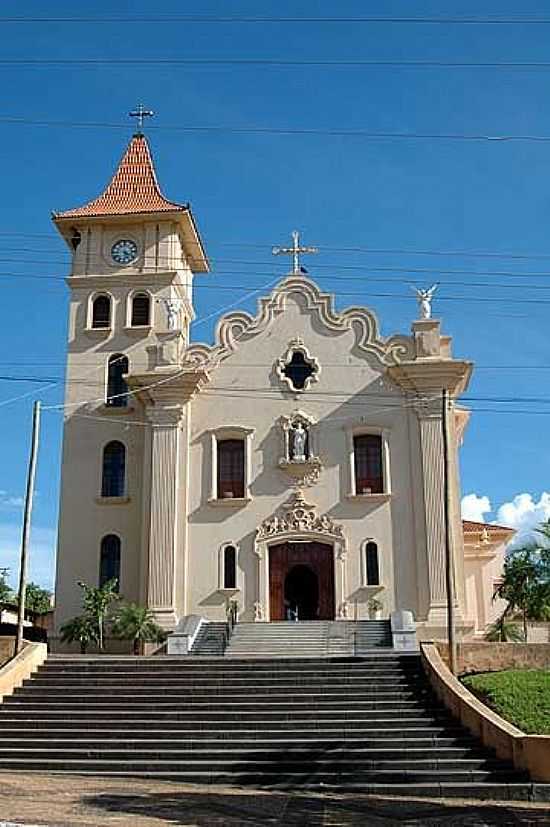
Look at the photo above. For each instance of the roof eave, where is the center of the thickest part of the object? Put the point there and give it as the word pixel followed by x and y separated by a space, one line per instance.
pixel 193 244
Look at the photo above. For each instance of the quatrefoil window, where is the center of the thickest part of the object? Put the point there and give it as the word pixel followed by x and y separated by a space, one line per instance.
pixel 297 368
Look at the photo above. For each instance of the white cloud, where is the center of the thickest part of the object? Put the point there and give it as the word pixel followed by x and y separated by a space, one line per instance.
pixel 41 553
pixel 475 508
pixel 524 514
pixel 9 502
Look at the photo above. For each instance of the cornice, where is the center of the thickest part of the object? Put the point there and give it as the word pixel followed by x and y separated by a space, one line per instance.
pixel 431 376
pixel 167 387
pixel 241 326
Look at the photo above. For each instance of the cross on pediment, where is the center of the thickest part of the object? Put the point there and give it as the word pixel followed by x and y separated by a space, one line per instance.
pixel 295 251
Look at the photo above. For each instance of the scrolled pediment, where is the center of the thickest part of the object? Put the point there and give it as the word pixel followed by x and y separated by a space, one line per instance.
pixel 299 517
pixel 241 326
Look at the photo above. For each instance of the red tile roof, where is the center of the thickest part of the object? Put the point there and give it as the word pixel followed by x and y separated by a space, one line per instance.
pixel 133 188
pixel 471 526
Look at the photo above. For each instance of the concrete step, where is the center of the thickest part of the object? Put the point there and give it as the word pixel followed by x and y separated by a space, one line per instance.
pixel 409 737
pixel 344 726
pixel 271 776
pixel 181 751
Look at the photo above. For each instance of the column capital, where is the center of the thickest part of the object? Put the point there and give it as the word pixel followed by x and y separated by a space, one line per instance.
pixel 165 416
pixel 428 407
pixel 169 386
pixel 431 376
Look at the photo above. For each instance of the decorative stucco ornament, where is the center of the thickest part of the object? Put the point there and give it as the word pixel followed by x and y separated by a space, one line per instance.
pixel 299 458
pixel 299 517
pixel 240 327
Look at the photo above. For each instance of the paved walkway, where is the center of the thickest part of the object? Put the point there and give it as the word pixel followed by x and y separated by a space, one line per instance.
pixel 77 801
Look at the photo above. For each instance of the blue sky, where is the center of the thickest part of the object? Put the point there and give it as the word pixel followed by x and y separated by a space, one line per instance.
pixel 249 190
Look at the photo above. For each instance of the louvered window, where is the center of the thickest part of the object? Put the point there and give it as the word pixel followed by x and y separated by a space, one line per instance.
pixel 101 312
pixel 141 310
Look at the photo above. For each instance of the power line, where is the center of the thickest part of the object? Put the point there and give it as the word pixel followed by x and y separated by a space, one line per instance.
pixel 267 245
pixel 231 19
pixel 506 65
pixel 266 130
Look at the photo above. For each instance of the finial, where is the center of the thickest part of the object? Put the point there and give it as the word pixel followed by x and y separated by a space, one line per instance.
pixel 295 251
pixel 424 298
pixel 140 113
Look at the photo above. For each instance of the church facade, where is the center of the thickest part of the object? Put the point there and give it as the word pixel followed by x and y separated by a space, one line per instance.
pixel 294 468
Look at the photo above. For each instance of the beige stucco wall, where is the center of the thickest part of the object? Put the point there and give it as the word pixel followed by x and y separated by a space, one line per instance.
pixel 482 570
pixel 350 393
pixel 169 453
pixel 89 425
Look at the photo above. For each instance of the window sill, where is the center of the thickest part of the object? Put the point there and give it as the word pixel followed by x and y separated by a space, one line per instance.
pixel 229 502
pixel 369 498
pixel 117 410
pixel 112 500
pixel 98 331
pixel 138 328
pixel 235 590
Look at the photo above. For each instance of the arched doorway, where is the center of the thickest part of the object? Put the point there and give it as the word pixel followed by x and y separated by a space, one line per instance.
pixel 301 592
pixel 302 574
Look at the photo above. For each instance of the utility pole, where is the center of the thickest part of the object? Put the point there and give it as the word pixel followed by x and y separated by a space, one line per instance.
pixel 449 550
pixel 29 496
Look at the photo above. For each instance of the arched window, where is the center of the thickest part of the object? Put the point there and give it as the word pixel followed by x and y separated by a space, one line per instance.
pixel 371 564
pixel 101 312
pixel 114 470
pixel 109 561
pixel 367 451
pixel 141 310
pixel 116 384
pixel 230 468
pixel 229 567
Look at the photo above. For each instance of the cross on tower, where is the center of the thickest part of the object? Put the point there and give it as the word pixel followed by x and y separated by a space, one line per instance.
pixel 140 113
pixel 295 251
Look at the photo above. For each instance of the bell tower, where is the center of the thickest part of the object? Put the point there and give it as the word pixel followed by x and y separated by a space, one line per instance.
pixel 134 255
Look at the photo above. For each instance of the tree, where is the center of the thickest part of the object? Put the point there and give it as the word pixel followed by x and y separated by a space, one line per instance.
pixel 97 600
pixel 81 629
pixel 502 631
pixel 37 599
pixel 5 591
pixel 136 623
pixel 519 579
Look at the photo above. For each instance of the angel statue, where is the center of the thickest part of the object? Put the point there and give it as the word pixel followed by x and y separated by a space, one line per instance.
pixel 172 307
pixel 424 298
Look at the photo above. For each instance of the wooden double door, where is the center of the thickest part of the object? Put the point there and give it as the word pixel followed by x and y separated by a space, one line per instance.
pixel 301 581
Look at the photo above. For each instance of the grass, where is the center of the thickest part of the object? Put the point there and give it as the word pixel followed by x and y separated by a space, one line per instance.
pixel 522 697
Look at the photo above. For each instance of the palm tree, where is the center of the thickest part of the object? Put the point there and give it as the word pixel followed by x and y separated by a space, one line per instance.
pixel 81 629
pixel 136 623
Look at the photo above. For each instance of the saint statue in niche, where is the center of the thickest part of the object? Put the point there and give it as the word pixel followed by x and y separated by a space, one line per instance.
pixel 298 443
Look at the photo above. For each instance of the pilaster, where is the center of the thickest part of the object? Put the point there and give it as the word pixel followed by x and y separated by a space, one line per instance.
pixel 429 415
pixel 163 562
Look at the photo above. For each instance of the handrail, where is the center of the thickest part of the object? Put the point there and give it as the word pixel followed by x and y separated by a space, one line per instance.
pixel 232 614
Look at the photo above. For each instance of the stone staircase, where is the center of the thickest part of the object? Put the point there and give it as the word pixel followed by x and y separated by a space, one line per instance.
pixel 211 640
pixel 314 638
pixel 368 724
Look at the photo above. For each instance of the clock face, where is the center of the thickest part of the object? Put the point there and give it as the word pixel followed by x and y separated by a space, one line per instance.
pixel 124 251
